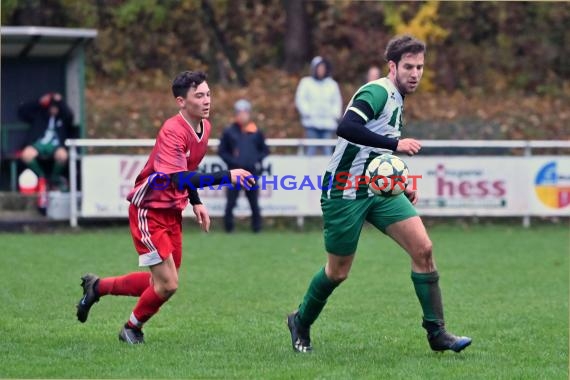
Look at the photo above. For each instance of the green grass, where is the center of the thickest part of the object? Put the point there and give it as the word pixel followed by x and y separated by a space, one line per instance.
pixel 505 286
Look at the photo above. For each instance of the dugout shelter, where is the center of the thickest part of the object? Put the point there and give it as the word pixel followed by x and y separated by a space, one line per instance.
pixel 37 60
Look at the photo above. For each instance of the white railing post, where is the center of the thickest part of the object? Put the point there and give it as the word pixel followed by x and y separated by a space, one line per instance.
pixel 73 184
pixel 301 149
pixel 527 153
pixel 301 152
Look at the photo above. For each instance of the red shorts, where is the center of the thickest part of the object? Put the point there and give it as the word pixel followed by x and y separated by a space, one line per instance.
pixel 157 234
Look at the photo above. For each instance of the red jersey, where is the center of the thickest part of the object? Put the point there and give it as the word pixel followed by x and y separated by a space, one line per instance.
pixel 177 148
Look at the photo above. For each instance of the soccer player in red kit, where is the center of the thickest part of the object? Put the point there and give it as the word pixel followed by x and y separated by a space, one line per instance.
pixel 162 190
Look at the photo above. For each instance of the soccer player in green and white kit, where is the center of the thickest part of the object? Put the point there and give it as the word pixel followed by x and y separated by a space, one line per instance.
pixel 371 126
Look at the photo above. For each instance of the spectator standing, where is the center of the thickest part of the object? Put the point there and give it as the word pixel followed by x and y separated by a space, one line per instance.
pixel 319 102
pixel 242 145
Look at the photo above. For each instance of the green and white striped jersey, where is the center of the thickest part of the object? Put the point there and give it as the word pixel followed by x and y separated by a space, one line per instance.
pixel 350 160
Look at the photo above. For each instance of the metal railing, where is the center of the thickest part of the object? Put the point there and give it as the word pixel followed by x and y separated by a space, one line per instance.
pixel 526 145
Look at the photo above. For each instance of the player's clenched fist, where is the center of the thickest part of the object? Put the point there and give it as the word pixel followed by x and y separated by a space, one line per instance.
pixel 242 176
pixel 409 146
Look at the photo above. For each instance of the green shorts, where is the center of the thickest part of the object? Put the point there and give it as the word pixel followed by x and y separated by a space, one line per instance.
pixel 45 150
pixel 344 218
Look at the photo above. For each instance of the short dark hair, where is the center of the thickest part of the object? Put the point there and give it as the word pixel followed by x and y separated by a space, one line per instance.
pixel 400 45
pixel 185 81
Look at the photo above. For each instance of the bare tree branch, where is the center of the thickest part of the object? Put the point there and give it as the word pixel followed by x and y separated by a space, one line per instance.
pixel 220 39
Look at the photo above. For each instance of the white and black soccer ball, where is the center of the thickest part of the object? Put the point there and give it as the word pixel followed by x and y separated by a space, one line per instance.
pixel 388 175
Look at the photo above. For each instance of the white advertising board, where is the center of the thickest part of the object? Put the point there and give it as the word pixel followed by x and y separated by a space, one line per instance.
pixel 290 185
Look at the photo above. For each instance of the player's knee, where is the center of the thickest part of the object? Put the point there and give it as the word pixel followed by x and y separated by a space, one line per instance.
pixel 171 288
pixel 61 155
pixel 423 255
pixel 28 154
pixel 338 276
pixel 167 289
pixel 425 250
pixel 337 269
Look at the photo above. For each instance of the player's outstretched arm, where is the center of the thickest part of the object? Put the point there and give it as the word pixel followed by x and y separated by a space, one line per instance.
pixel 195 180
pixel 242 177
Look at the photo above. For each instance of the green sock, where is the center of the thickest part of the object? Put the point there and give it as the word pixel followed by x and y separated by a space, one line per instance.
pixel 34 165
pixel 429 295
pixel 58 168
pixel 320 289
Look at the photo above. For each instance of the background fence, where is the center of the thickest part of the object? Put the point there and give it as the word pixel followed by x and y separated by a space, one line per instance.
pixel 513 181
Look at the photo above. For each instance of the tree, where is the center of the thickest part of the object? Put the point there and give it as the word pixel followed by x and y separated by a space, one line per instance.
pixel 210 21
pixel 296 35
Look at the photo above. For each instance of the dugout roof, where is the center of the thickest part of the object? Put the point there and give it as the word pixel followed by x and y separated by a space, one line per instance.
pixel 37 60
pixel 36 41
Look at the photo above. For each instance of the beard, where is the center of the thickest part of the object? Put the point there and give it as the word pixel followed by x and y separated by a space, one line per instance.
pixel 402 86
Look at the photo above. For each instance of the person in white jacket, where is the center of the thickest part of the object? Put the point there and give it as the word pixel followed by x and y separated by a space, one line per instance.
pixel 319 103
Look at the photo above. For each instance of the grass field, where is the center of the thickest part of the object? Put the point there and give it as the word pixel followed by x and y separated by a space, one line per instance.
pixel 505 286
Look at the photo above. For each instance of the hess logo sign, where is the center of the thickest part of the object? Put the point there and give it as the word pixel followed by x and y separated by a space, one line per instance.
pixel 467 183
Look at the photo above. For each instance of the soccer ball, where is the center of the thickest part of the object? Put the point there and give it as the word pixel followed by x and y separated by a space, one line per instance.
pixel 388 175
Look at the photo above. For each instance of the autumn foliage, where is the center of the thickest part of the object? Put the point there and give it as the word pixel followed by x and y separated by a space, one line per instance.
pixel 493 69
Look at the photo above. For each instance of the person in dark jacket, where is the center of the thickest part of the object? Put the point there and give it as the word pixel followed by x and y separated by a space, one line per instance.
pixel 51 122
pixel 243 146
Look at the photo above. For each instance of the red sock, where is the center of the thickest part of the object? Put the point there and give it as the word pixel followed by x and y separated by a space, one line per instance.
pixel 148 305
pixel 132 284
